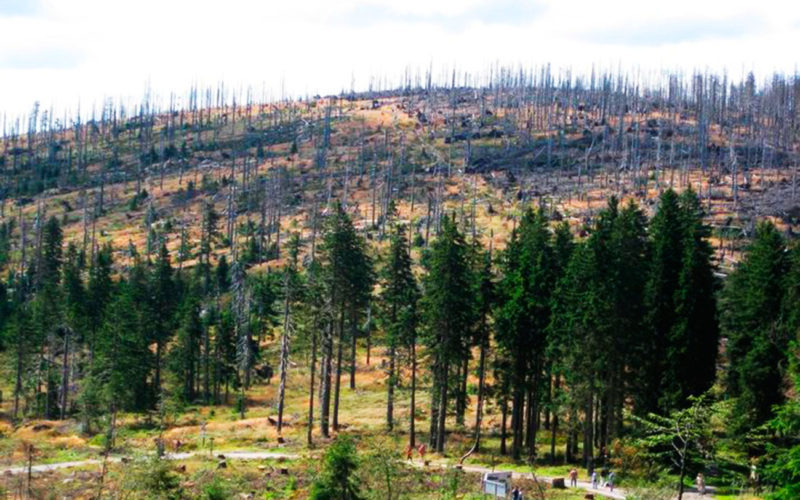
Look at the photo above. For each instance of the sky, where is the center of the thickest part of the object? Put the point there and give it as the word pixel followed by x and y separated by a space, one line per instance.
pixel 65 52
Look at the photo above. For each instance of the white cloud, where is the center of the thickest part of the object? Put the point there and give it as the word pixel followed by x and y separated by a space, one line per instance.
pixel 66 50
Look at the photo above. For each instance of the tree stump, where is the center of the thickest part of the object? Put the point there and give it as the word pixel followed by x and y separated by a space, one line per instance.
pixel 558 482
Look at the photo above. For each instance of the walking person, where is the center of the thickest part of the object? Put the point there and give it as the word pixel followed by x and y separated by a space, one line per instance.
pixel 515 494
pixel 701 483
pixel 594 480
pixel 611 481
pixel 573 477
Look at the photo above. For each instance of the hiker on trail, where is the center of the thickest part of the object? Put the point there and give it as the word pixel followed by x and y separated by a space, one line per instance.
pixel 611 481
pixel 409 452
pixel 701 484
pixel 515 494
pixel 594 480
pixel 421 450
pixel 573 477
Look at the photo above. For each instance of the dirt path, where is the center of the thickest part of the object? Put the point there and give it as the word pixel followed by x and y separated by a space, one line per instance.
pixel 583 485
pixel 229 455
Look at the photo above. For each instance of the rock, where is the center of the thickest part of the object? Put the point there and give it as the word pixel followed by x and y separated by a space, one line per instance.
pixel 589 496
pixel 558 482
pixel 181 468
pixel 262 468
pixel 67 480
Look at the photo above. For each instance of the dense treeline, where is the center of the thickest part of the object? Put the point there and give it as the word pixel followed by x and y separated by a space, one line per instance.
pixel 571 334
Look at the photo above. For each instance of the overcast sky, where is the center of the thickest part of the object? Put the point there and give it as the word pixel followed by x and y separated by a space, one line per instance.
pixel 63 51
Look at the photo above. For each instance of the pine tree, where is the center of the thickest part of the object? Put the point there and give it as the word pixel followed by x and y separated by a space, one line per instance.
pixel 185 354
pixel 522 319
pixel 75 317
pixel 756 347
pixel 661 292
pixel 693 341
pixel 448 313
pixel 398 313
pixel 485 293
pixel 681 306
pixel 123 359
pixel 99 293
pixel 162 301
pixel 209 232
pixel 347 274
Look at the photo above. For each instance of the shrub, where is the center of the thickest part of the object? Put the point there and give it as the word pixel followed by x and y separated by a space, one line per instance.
pixel 337 479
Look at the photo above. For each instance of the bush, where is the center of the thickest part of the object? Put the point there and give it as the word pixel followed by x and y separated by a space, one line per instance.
pixel 154 479
pixel 337 479
pixel 216 490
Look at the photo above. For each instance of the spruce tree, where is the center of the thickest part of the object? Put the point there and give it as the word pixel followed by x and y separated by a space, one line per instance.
pixel 660 294
pixel 162 302
pixel 693 341
pixel 756 347
pixel 398 312
pixel 448 313
pixel 347 274
pixel 522 319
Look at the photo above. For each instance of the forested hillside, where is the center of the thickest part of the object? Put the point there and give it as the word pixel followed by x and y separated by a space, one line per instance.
pixel 532 267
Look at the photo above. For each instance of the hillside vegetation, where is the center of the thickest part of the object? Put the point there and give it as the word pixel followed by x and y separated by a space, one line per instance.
pixel 541 273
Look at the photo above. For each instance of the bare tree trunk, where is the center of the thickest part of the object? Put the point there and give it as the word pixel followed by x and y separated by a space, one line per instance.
pixel 390 388
pixel 284 352
pixel 65 374
pixel 311 389
pixel 412 437
pixel 325 395
pixel 338 383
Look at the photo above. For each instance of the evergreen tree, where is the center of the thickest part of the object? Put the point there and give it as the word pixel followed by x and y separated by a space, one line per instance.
pixel 398 313
pixel 448 313
pixel 75 317
pixel 123 361
pixel 185 355
pixel 693 342
pixel 660 294
pixel 99 293
pixel 209 232
pixel 347 274
pixel 337 480
pixel 756 347
pixel 162 302
pixel 682 314
pixel 522 318
pixel 223 272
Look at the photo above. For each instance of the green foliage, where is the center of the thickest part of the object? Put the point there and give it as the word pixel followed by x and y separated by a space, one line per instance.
pixel 383 465
pixel 337 480
pixel 216 489
pixel 682 439
pixel 153 479
pixel 757 343
pixel 783 452
pixel 681 311
pixel 399 292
